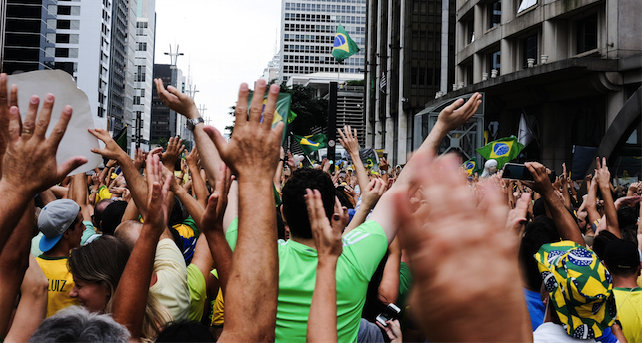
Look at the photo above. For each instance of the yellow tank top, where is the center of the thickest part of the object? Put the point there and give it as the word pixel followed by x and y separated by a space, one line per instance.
pixel 60 283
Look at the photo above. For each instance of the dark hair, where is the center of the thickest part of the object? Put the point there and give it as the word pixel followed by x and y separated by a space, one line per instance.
pixel 179 213
pixel 626 216
pixel 99 210
pixel 539 232
pixel 294 207
pixel 600 242
pixel 112 216
pixel 343 199
pixel 185 331
pixel 539 208
pixel 630 233
pixel 280 225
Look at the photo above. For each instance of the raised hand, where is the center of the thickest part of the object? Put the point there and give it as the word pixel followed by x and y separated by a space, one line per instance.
pixel 217 202
pixel 158 189
pixel 348 140
pixel 5 116
pixel 541 183
pixel 176 100
pixel 602 173
pixel 445 237
pixel 139 158
pixel 174 149
pixel 516 221
pixel 371 194
pixel 393 330
pixel 326 237
pixel 30 158
pixel 193 158
pixel 111 150
pixel 458 113
pixel 254 147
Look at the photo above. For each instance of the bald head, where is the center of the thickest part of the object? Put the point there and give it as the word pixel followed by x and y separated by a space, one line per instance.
pixel 128 232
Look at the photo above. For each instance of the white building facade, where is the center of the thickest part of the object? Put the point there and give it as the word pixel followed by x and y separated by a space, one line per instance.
pixel 143 74
pixel 307 36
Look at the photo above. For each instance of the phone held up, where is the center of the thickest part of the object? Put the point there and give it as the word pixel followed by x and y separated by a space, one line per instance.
pixel 390 313
pixel 515 171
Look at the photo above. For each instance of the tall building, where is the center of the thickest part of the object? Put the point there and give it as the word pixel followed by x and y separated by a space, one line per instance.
pixel 83 48
pixel 410 58
pixel 25 34
pixel 573 68
pixel 164 121
pixel 143 76
pixel 271 72
pixel 307 36
pixel 118 66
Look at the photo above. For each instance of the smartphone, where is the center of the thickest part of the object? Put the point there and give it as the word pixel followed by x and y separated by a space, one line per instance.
pixel 515 171
pixel 391 313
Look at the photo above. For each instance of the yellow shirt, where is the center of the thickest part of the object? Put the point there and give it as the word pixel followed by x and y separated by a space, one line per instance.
pixel 60 283
pixel 629 312
pixel 218 310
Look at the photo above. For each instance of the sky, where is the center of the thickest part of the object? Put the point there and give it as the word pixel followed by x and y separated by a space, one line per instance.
pixel 225 42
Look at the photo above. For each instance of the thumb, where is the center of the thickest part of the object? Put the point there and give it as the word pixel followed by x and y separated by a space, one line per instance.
pixel 69 165
pixel 216 137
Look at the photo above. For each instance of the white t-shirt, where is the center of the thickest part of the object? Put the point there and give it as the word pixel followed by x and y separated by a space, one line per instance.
pixel 171 288
pixel 551 332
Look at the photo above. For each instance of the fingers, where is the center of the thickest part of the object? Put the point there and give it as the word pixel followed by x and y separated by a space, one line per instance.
pixel 270 106
pixel 4 103
pixel 61 126
pixel 13 100
pixel 28 126
pixel 65 168
pixel 45 116
pixel 256 107
pixel 14 123
pixel 241 105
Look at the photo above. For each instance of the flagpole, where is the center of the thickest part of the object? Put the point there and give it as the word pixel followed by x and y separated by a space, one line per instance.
pixel 309 160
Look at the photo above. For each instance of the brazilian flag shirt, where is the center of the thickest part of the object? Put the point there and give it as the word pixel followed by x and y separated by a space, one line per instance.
pixel 363 249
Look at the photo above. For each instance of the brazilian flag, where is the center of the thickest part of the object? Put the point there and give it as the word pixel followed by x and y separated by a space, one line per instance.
pixel 471 166
pixel 292 117
pixel 502 150
pixel 312 143
pixel 344 46
pixel 369 158
pixel 121 139
pixel 281 113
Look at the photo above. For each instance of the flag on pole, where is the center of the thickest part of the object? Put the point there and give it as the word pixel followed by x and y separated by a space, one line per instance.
pixel 470 166
pixel 502 150
pixel 525 135
pixel 369 158
pixel 384 82
pixel 312 143
pixel 344 46
pixel 281 112
pixel 121 139
pixel 292 117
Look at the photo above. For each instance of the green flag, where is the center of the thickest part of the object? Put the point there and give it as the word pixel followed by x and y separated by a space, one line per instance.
pixel 502 150
pixel 281 113
pixel 312 143
pixel 471 166
pixel 369 158
pixel 292 117
pixel 344 46
pixel 121 139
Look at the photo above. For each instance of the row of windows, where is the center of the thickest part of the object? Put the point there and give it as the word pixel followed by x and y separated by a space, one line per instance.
pixel 351 30
pixel 322 18
pixel 62 52
pixel 325 8
pixel 321 60
pixel 345 1
pixel 343 19
pixel 316 49
pixel 310 70
pixel 308 38
pixel 63 24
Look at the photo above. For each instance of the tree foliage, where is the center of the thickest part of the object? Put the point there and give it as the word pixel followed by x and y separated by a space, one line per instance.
pixel 311 111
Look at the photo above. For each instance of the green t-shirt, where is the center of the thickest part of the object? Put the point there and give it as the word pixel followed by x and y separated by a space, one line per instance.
pixel 363 248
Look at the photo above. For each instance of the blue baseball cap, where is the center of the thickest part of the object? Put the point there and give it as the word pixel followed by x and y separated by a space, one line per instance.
pixel 54 220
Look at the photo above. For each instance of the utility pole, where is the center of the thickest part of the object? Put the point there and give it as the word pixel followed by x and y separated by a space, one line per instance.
pixel 173 55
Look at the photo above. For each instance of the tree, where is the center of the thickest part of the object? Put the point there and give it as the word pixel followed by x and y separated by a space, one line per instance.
pixel 311 111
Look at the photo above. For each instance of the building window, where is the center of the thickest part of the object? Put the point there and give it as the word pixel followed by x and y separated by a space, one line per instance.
pixel 530 49
pixel 494 13
pixel 494 59
pixel 142 46
pixel 526 4
pixel 587 34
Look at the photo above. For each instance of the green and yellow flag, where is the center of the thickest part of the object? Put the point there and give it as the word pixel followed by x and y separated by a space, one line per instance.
pixel 312 143
pixel 502 150
pixel 281 112
pixel 292 117
pixel 470 166
pixel 344 46
pixel 121 139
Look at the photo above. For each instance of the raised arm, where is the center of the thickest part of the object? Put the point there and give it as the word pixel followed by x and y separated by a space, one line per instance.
pixel 446 235
pixel 184 105
pixel 449 119
pixel 199 187
pixel 603 178
pixel 130 297
pixel 212 227
pixel 135 182
pixel 79 195
pixel 566 226
pixel 370 195
pixel 29 164
pixel 322 321
pixel 252 154
pixel 349 141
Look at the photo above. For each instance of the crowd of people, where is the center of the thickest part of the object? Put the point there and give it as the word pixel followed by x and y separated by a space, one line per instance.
pixel 235 241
